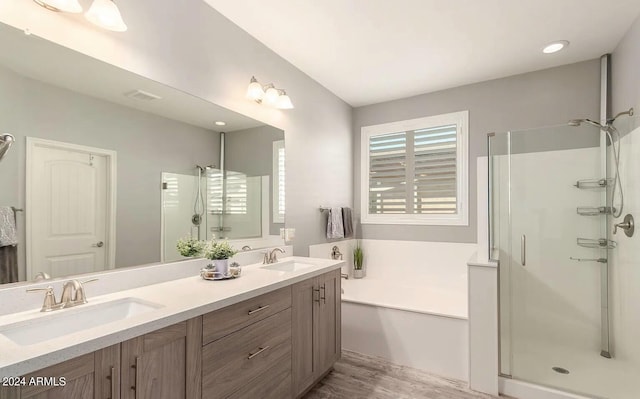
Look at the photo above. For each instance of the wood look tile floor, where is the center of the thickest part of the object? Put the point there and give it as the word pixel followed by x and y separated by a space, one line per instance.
pixel 364 377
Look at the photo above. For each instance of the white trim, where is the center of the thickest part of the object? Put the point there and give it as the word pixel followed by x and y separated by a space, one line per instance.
pixel 112 168
pixel 525 390
pixel 275 199
pixel 461 120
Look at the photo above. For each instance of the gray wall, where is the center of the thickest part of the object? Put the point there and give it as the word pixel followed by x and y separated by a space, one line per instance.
pixel 535 99
pixel 625 72
pixel 190 46
pixel 146 146
pixel 250 151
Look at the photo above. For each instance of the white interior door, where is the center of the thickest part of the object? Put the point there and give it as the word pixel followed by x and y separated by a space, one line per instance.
pixel 68 191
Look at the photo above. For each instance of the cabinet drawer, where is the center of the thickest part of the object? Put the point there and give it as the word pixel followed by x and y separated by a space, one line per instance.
pixel 275 383
pixel 230 363
pixel 223 322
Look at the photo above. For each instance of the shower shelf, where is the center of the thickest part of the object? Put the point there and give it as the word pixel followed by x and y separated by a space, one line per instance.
pixel 599 260
pixel 601 243
pixel 593 183
pixel 594 210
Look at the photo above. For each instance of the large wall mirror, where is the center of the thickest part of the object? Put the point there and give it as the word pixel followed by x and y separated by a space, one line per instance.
pixel 108 169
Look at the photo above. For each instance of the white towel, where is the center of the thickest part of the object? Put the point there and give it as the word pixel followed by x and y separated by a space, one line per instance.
pixel 8 232
pixel 335 228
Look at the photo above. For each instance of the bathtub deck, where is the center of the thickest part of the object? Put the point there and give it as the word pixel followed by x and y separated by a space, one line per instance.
pixel 360 376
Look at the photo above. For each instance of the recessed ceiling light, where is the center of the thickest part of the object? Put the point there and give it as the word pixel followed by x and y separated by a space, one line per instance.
pixel 221 123
pixel 555 47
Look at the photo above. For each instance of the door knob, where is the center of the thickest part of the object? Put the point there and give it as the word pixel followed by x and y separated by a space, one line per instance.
pixel 100 244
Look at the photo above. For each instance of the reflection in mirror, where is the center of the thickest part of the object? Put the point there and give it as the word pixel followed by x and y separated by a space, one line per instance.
pixel 108 169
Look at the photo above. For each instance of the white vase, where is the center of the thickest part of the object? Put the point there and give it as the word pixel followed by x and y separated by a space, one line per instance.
pixel 222 266
pixel 358 273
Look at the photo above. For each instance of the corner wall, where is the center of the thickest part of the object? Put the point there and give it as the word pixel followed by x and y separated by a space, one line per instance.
pixel 542 98
pixel 625 72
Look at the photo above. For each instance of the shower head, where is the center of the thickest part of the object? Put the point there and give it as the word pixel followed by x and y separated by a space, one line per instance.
pixel 5 143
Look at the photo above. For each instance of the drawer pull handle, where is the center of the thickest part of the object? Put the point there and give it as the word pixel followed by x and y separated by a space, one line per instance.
pixel 314 295
pixel 112 378
pixel 136 367
pixel 260 350
pixel 324 293
pixel 260 309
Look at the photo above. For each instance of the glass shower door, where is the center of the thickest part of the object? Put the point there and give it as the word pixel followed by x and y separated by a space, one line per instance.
pixel 553 269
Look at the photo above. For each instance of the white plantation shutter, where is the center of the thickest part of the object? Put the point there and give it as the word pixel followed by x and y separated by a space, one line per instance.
pixel 435 170
pixel 415 172
pixel 278 181
pixel 387 173
pixel 235 192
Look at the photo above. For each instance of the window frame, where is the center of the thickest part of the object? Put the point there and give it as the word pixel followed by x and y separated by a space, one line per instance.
pixel 461 218
pixel 275 199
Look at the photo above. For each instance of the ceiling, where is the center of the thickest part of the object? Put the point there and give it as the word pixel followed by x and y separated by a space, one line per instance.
pixel 369 51
pixel 48 62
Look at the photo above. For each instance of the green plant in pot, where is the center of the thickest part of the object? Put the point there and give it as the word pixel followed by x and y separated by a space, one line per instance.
pixel 220 252
pixel 190 247
pixel 358 261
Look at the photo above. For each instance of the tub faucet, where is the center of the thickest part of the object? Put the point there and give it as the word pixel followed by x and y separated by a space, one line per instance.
pixel 272 256
pixel 344 276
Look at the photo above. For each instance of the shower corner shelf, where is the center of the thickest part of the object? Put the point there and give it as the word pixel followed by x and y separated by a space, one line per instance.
pixel 601 243
pixel 594 210
pixel 593 183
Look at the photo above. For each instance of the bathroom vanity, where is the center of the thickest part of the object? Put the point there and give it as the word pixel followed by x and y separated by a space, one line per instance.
pixel 272 333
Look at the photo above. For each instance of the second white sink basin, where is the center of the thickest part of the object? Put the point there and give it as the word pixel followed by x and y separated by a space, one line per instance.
pixel 291 266
pixel 67 321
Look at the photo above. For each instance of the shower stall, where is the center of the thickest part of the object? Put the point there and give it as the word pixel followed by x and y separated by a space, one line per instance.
pixel 208 204
pixel 569 287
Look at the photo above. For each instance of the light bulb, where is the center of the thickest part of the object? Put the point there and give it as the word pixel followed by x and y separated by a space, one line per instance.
pixel 254 91
pixel 271 96
pixel 61 5
pixel 284 102
pixel 105 14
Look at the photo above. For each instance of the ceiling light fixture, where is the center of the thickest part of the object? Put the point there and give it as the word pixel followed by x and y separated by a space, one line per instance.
pixel 268 95
pixel 221 123
pixel 105 14
pixel 60 5
pixel 555 47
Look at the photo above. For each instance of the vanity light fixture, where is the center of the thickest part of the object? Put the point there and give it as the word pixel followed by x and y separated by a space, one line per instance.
pixel 105 14
pixel 60 5
pixel 555 47
pixel 268 95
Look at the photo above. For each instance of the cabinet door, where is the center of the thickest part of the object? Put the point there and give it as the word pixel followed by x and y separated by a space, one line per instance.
pixel 91 376
pixel 155 364
pixel 305 305
pixel 328 322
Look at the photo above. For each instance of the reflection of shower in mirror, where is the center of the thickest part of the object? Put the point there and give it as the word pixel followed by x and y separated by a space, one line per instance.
pixel 5 143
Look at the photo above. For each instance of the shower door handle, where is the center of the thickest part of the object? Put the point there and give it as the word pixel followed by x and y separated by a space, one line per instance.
pixel 523 250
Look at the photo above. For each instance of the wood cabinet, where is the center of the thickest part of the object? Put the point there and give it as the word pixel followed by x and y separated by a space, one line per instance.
pixel 316 329
pixel 92 376
pixel 155 364
pixel 247 349
pixel 273 346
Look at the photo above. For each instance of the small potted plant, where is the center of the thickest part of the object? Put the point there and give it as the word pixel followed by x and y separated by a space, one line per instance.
pixel 358 261
pixel 190 247
pixel 219 252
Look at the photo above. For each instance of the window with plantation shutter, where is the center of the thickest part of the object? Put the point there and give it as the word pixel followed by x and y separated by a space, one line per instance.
pixel 278 181
pixel 226 196
pixel 416 171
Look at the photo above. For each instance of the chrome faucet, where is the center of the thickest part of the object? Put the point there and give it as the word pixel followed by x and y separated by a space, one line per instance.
pixel 72 295
pixel 272 256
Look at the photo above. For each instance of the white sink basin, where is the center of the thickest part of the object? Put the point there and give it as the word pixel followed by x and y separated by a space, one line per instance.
pixel 67 321
pixel 288 266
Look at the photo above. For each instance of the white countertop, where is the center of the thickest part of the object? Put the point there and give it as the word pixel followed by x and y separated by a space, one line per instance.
pixel 181 299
